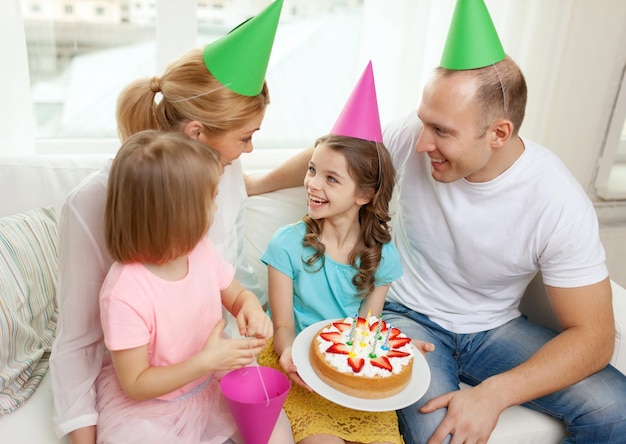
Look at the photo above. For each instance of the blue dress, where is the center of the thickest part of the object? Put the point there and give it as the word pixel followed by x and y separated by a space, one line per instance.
pixel 317 296
pixel 328 293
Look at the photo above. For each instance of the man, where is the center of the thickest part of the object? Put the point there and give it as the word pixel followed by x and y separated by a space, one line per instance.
pixel 480 211
pixel 499 209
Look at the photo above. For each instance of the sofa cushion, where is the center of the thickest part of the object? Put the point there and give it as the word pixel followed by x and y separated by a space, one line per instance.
pixel 28 262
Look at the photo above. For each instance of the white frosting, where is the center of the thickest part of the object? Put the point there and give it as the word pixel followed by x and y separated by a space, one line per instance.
pixel 364 342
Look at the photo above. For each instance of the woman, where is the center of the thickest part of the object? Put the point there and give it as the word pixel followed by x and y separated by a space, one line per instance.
pixel 188 98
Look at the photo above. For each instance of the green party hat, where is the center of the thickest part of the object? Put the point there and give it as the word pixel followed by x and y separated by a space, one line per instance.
pixel 239 59
pixel 472 40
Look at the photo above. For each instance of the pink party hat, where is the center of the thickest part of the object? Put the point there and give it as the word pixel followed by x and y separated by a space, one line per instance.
pixel 359 117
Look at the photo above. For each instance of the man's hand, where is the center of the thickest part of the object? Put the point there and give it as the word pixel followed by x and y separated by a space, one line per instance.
pixel 423 347
pixel 472 415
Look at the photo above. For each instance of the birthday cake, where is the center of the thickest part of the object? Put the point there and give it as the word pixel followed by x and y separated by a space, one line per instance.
pixel 362 357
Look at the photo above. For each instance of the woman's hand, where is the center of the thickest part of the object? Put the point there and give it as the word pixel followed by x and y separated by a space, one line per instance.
pixel 286 363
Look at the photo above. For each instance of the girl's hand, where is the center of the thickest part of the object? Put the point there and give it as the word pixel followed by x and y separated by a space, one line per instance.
pixel 222 354
pixel 286 363
pixel 252 321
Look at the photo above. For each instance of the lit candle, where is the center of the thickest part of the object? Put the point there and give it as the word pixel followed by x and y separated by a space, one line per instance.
pixel 380 324
pixel 352 329
pixel 373 349
pixel 352 353
pixel 385 346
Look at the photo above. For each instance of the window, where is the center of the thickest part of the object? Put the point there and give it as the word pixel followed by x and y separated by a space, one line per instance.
pixel 621 152
pixel 611 175
pixel 78 65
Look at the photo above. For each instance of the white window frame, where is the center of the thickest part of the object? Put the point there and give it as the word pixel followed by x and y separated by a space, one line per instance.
pixel 610 182
pixel 621 150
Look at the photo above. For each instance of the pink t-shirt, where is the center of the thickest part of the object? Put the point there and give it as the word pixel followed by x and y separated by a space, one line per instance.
pixel 173 317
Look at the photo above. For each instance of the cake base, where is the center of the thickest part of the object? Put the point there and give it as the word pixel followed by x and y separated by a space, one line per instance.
pixel 368 387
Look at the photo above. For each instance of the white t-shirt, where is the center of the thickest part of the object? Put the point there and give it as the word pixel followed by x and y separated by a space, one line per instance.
pixel 470 249
pixel 78 351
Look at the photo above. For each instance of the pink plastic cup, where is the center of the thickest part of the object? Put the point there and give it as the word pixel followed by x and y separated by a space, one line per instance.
pixel 253 413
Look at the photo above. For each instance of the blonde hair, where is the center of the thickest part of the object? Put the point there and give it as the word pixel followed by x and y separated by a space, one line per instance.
pixel 371 168
pixel 159 194
pixel 187 91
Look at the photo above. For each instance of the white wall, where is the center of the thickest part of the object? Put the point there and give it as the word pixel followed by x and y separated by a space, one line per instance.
pixel 583 89
pixel 572 86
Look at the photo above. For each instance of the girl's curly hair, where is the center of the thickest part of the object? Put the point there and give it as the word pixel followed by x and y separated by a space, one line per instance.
pixel 370 166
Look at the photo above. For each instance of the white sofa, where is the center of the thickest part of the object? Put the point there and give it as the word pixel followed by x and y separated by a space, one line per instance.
pixel 38 181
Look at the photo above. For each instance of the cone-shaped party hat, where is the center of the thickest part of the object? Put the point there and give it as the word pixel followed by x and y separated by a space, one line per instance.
pixel 359 117
pixel 239 59
pixel 472 40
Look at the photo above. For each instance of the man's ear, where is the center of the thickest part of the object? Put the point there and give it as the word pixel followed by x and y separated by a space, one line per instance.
pixel 193 129
pixel 502 131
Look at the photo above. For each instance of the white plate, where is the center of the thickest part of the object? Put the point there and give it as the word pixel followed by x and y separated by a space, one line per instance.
pixel 413 392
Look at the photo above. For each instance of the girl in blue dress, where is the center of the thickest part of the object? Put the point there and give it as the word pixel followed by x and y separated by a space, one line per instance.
pixel 337 261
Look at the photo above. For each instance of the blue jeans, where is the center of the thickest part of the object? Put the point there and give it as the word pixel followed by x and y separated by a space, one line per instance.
pixel 594 410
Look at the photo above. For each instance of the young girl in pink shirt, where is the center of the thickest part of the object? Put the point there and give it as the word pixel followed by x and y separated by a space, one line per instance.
pixel 161 301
